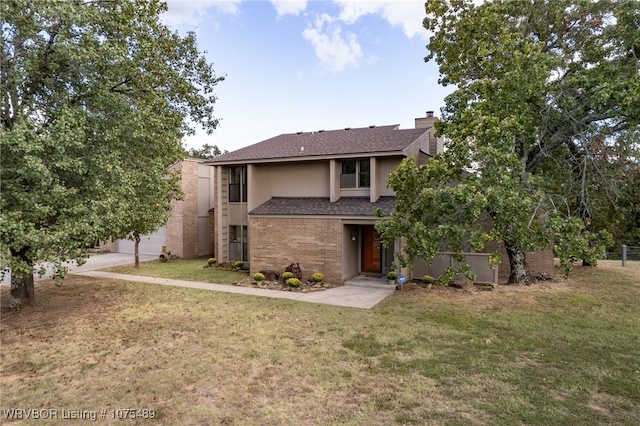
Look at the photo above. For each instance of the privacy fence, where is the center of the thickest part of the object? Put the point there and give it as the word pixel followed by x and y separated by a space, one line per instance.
pixel 478 263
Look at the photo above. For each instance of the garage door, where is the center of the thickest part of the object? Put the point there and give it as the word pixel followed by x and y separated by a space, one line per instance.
pixel 149 244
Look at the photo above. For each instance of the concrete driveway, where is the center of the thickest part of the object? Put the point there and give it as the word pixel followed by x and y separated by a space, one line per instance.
pixel 95 261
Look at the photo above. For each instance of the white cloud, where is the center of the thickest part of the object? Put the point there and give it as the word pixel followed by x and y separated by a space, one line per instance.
pixel 407 14
pixel 292 7
pixel 192 12
pixel 227 6
pixel 351 11
pixel 335 50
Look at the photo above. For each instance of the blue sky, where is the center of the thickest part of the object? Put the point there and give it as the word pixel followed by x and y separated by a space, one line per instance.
pixel 309 65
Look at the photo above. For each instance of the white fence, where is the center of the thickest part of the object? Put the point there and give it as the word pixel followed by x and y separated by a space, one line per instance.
pixel 478 263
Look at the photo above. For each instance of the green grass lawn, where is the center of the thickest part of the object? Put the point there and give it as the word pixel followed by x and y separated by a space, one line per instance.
pixel 189 270
pixel 565 353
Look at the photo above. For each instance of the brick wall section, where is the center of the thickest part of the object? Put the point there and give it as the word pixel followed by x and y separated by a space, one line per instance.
pixel 182 227
pixel 538 261
pixel 316 244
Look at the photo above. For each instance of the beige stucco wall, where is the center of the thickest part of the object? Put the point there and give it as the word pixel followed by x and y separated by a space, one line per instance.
pixel 314 243
pixel 305 179
pixel 350 249
pixel 385 166
pixel 222 213
pixel 420 144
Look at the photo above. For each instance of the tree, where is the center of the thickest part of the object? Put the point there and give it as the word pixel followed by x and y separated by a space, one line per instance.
pixel 206 152
pixel 96 97
pixel 149 197
pixel 622 216
pixel 542 88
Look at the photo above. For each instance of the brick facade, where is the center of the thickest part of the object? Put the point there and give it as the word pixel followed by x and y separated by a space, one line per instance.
pixel 540 261
pixel 537 261
pixel 314 243
pixel 182 227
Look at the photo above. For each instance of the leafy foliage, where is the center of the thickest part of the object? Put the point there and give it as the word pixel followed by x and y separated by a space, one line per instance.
pixel 317 277
pixel 294 282
pixel 546 95
pixel 206 152
pixel 571 245
pixel 286 276
pixel 428 279
pixel 96 98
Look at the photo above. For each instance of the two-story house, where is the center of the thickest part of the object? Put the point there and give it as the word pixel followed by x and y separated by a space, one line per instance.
pixel 311 197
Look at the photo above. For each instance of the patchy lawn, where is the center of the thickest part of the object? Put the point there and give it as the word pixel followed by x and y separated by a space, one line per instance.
pixel 558 353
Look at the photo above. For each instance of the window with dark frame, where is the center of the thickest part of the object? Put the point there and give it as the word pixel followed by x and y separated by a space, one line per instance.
pixel 355 174
pixel 364 178
pixel 238 184
pixel 238 242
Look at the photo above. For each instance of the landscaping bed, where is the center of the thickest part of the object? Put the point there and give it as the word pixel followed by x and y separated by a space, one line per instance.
pixel 305 286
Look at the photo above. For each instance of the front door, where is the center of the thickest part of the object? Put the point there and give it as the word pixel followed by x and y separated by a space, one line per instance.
pixel 370 250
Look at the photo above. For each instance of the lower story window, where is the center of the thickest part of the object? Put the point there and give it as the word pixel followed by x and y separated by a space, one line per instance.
pixel 238 243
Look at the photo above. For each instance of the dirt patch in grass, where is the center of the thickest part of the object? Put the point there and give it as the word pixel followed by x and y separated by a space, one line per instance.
pixel 485 296
pixel 509 297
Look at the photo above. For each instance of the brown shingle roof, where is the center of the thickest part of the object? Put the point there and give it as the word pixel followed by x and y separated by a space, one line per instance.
pixel 331 142
pixel 345 206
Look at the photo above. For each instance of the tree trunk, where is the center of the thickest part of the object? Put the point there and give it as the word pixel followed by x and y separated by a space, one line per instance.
pixel 22 292
pixel 22 289
pixel 136 237
pixel 518 263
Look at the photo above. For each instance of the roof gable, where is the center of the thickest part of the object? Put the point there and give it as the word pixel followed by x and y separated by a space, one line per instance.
pixel 365 140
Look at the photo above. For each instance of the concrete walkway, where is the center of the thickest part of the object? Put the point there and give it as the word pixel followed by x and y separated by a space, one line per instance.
pixel 350 296
pixel 94 262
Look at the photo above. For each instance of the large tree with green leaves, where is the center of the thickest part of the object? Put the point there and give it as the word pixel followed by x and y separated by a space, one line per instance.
pixel 206 152
pixel 96 97
pixel 543 90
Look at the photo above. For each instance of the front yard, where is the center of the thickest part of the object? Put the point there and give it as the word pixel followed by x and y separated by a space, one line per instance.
pixel 189 270
pixel 558 353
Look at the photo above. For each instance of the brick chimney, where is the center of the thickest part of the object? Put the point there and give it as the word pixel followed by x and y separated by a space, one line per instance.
pixel 425 122
pixel 435 144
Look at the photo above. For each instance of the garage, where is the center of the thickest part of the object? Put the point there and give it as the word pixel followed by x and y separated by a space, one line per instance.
pixel 149 244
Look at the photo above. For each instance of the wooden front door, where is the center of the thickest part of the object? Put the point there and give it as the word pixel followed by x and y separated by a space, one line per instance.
pixel 371 250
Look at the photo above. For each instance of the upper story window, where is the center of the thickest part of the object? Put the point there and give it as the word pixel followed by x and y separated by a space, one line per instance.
pixel 355 174
pixel 238 184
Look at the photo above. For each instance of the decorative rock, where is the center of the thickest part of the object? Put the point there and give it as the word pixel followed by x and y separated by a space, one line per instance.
pixel 463 283
pixel 294 268
pixel 279 285
pixel 270 275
